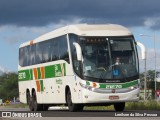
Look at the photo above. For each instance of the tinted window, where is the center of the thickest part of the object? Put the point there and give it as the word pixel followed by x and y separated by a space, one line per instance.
pixel 63 49
pixel 24 56
pixel 76 64
pixel 46 51
pixel 32 59
pixel 39 51
pixel 55 50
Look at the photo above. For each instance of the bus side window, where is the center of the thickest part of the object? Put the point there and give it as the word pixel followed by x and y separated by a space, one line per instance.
pixel 21 57
pixel 38 53
pixel 54 50
pixel 24 56
pixel 45 52
pixel 32 54
pixel 63 49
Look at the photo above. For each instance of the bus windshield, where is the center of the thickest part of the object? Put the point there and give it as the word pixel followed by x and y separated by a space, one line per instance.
pixel 109 58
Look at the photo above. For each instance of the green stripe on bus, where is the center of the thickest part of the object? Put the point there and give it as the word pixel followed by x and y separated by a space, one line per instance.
pixel 87 83
pixel 64 69
pixel 24 75
pixel 42 86
pixel 130 84
pixel 57 70
pixel 116 85
pixel 49 71
pixel 102 85
pixel 31 74
pixel 39 73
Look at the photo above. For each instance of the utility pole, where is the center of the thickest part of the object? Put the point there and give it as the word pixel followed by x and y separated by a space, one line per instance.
pixel 154 38
pixel 155 67
pixel 145 76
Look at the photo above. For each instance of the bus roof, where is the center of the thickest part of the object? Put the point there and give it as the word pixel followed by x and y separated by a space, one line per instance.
pixel 84 30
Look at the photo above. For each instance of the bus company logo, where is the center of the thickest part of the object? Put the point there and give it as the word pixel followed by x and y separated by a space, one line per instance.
pixel 59 70
pixel 6 114
pixel 22 75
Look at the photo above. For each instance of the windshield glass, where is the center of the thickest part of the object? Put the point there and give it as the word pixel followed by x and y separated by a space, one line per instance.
pixel 109 58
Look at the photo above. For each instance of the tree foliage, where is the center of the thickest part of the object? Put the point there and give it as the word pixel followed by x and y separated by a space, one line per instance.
pixel 150 78
pixel 9 86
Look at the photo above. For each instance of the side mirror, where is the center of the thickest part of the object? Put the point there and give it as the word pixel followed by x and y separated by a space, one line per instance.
pixel 78 51
pixel 143 50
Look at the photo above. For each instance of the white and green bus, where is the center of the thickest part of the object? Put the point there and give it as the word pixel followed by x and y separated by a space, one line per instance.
pixel 80 65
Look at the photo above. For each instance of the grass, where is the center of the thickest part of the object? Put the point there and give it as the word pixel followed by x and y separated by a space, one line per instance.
pixel 98 108
pixel 147 105
pixel 14 106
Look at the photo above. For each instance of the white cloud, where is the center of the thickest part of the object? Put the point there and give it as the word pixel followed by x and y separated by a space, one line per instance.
pixel 74 20
pixel 152 22
pixel 150 60
pixel 3 70
pixel 14 34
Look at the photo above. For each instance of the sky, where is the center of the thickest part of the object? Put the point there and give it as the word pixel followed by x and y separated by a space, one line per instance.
pixel 24 20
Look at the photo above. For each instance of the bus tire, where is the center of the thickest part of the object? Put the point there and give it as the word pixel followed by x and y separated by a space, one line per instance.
pixel 28 98
pixel 30 104
pixel 45 107
pixel 73 107
pixel 29 101
pixel 35 105
pixel 119 106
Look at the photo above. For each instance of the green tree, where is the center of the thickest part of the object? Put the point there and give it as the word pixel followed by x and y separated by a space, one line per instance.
pixel 150 80
pixel 9 86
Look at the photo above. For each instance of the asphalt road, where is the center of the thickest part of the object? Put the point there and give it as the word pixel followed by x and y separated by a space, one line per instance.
pixel 64 114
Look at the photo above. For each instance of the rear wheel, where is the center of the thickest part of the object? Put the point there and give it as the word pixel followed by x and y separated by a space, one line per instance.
pixel 34 105
pixel 119 106
pixel 29 101
pixel 28 98
pixel 73 107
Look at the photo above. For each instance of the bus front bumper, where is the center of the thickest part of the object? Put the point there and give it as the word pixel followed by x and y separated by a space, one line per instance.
pixel 95 97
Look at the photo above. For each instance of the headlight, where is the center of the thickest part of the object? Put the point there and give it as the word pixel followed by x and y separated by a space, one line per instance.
pixel 87 87
pixel 134 87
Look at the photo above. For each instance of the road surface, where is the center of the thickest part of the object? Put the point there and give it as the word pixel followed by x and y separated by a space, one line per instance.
pixel 64 114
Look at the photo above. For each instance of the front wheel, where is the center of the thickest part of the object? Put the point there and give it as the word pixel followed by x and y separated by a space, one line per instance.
pixel 73 107
pixel 119 106
pixel 45 107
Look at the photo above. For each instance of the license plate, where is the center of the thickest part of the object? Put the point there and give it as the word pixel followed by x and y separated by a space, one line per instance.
pixel 113 97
